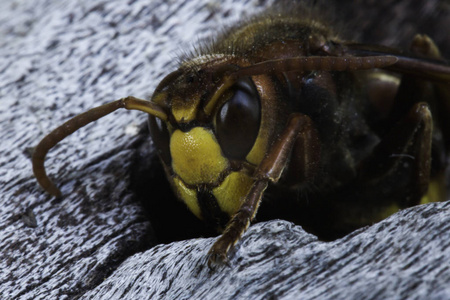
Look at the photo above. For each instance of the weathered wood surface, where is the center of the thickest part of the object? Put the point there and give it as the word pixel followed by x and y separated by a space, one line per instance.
pixel 59 58
pixel 403 257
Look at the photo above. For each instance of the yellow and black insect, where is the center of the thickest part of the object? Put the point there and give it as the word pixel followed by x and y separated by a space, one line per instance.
pixel 347 132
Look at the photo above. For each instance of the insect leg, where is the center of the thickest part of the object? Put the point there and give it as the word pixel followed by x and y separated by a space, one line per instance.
pixel 437 94
pixel 76 123
pixel 269 170
pixel 414 89
pixel 439 97
pixel 424 45
pixel 406 145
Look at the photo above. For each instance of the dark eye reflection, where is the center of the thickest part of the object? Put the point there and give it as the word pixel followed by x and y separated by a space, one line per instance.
pixel 238 120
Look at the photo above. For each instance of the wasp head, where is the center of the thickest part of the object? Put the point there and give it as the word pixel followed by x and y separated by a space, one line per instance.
pixel 214 136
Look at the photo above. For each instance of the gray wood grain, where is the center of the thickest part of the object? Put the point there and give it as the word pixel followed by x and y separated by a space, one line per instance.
pixel 403 257
pixel 60 58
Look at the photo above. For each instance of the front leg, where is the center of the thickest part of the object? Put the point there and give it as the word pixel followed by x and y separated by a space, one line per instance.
pixel 269 170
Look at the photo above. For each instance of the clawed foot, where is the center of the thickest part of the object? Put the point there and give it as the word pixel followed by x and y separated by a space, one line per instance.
pixel 218 254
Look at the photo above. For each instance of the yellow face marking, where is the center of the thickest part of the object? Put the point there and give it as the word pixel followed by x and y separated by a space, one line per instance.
pixel 189 197
pixel 259 149
pixel 232 191
pixel 196 156
pixel 185 111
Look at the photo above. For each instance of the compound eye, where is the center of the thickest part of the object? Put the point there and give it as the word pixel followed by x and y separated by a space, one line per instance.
pixel 238 120
pixel 161 137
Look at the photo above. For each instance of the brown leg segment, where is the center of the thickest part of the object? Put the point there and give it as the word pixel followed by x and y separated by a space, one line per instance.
pixel 440 104
pixel 270 169
pixel 437 95
pixel 412 134
pixel 413 89
pixel 424 45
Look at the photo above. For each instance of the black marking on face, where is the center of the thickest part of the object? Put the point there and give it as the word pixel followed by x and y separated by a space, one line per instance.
pixel 211 212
